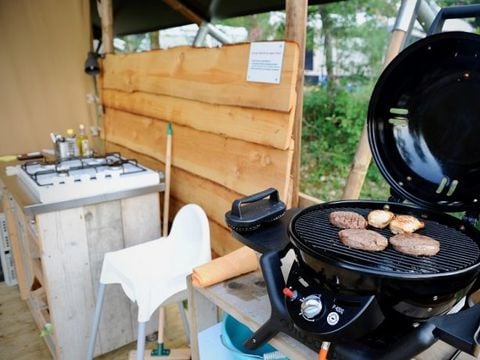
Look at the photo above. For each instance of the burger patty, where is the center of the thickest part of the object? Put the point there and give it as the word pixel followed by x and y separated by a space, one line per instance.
pixel 415 244
pixel 347 220
pixel 363 239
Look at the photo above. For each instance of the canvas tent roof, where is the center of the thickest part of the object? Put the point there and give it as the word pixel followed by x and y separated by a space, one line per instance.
pixel 139 16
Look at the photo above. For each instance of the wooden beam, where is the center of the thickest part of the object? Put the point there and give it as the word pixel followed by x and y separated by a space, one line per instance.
pixel 107 26
pixel 211 75
pixel 296 25
pixel 185 11
pixel 363 155
pixel 272 128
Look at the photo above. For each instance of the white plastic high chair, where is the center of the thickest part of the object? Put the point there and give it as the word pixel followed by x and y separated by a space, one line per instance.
pixel 154 271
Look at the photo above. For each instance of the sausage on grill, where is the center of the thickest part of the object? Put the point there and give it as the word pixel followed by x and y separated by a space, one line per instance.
pixel 363 239
pixel 347 220
pixel 415 244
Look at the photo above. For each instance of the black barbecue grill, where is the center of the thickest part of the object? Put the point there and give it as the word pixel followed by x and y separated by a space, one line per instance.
pixel 312 232
pixel 424 131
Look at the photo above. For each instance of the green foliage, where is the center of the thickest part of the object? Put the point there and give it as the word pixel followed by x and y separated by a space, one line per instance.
pixel 330 140
pixel 259 26
pixel 334 116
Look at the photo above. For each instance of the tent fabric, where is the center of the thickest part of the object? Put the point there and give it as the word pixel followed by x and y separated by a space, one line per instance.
pixel 140 16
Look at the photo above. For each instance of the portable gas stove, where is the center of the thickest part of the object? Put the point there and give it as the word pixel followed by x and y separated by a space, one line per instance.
pixel 54 181
pixel 423 130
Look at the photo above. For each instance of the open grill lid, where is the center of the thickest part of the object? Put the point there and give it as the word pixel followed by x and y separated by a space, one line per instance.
pixel 424 122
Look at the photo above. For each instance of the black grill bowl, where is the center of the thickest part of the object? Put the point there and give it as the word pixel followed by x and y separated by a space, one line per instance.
pixel 415 286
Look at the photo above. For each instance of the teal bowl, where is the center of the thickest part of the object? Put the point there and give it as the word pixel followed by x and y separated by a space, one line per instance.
pixel 234 334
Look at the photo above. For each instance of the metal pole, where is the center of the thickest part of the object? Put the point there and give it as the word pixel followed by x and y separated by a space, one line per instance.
pixel 201 35
pixel 218 34
pixel 210 29
pixel 426 14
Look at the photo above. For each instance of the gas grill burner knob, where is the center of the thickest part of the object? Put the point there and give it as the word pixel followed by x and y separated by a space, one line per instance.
pixel 290 294
pixel 311 307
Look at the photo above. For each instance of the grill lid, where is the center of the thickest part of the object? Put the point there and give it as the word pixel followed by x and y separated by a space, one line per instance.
pixel 424 122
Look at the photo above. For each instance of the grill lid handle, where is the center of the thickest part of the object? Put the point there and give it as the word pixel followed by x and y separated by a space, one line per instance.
pixel 249 212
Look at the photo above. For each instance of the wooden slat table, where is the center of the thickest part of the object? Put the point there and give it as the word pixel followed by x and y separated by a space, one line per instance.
pixel 245 298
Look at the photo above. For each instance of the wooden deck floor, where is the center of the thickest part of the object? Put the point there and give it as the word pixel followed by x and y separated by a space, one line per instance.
pixel 20 338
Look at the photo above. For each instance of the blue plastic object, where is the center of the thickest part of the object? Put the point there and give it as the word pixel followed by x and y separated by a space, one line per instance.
pixel 234 334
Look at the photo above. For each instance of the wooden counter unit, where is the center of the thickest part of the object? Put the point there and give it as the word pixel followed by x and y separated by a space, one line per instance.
pixel 58 252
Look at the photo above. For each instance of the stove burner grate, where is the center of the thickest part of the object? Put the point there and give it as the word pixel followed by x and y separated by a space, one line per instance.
pixel 64 168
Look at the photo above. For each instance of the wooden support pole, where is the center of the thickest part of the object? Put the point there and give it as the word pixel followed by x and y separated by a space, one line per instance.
pixel 107 26
pixel 185 11
pixel 296 29
pixel 363 156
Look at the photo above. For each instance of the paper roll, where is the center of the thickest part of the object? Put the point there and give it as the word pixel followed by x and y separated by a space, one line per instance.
pixel 236 263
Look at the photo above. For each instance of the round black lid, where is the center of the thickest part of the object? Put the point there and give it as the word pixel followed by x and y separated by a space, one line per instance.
pixel 424 122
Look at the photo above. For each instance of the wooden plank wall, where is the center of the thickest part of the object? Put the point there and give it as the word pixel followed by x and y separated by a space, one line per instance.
pixel 230 137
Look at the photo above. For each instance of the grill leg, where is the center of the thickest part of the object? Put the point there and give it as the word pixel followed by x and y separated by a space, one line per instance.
pixel 96 321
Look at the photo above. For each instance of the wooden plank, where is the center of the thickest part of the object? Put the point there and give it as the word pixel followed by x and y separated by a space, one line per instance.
pixel 143 159
pixel 192 189
pixel 212 75
pixel 141 218
pixel 69 288
pixel 187 187
pixel 103 227
pixel 234 164
pixel 19 338
pixel 222 240
pixel 215 199
pixel 202 314
pixel 271 128
pixel 41 320
pixel 37 270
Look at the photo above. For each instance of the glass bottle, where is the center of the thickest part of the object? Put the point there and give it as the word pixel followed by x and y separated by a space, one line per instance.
pixel 73 150
pixel 83 143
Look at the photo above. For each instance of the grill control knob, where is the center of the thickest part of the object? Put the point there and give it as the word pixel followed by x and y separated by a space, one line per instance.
pixel 311 307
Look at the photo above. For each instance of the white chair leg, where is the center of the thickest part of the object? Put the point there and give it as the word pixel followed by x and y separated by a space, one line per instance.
pixel 141 340
pixel 183 316
pixel 96 321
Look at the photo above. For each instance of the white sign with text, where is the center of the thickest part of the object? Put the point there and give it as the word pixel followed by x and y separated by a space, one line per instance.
pixel 265 62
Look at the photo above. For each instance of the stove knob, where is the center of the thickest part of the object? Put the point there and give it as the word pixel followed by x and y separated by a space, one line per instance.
pixel 311 307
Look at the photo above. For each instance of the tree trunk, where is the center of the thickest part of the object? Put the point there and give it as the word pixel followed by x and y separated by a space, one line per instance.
pixel 155 40
pixel 327 25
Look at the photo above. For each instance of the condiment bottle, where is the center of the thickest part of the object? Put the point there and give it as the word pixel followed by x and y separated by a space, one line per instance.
pixel 73 150
pixel 83 143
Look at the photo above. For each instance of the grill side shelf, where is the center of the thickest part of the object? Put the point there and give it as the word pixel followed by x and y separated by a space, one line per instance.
pixel 268 237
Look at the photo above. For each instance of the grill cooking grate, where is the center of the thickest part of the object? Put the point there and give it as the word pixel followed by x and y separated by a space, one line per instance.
pixel 457 250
